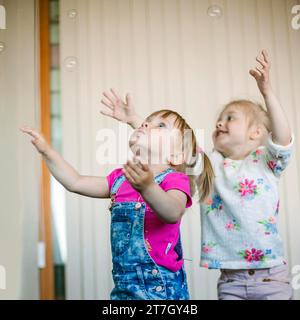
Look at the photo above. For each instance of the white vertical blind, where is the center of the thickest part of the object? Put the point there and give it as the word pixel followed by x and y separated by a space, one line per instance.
pixel 167 53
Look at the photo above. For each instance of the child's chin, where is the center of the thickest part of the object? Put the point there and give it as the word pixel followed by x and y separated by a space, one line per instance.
pixel 219 147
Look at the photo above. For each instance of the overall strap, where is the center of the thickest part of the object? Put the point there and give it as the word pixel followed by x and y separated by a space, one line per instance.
pixel 158 179
pixel 116 185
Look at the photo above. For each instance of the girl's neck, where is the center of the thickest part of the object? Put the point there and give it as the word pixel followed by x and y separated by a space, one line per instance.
pixel 240 153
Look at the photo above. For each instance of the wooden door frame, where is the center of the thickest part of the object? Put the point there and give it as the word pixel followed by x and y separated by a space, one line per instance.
pixel 45 229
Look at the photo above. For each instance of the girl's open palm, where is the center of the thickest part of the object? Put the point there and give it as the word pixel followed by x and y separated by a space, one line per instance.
pixel 38 140
pixel 261 73
pixel 117 108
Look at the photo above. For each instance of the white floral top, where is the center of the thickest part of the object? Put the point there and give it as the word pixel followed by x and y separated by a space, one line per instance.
pixel 239 221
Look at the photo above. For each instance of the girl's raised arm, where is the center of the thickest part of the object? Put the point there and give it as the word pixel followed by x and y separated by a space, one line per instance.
pixel 281 133
pixel 95 187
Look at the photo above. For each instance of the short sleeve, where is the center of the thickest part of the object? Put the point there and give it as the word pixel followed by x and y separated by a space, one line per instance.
pixel 178 181
pixel 277 156
pixel 113 176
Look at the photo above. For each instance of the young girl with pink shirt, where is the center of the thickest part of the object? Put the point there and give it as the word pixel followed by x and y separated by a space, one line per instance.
pixel 148 199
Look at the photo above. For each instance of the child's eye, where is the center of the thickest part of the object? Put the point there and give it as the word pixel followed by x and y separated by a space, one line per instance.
pixel 229 118
pixel 161 125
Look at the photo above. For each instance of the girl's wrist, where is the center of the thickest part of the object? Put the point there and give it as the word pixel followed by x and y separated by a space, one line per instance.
pixel 47 152
pixel 135 121
pixel 267 92
pixel 148 188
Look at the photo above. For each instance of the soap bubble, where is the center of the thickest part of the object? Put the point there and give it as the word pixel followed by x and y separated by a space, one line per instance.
pixel 2 46
pixel 214 11
pixel 72 13
pixel 71 63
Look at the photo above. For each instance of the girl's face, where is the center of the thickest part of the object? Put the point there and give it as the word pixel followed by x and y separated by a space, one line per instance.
pixel 156 140
pixel 232 131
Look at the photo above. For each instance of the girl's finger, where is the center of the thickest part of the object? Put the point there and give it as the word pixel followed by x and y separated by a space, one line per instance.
pixel 266 56
pixel 31 132
pixel 106 113
pixel 128 100
pixel 135 171
pixel 130 175
pixel 116 94
pixel 108 104
pixel 110 97
pixel 254 74
pixel 145 167
pixel 261 62
pixel 137 167
pixel 136 160
pixel 25 128
pixel 259 71
pixel 132 172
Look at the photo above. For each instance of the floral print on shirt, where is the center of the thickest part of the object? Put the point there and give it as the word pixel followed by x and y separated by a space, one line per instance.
pixel 247 189
pixel 208 247
pixel 214 203
pixel 256 256
pixel 256 155
pixel 232 225
pixel 213 264
pixel 277 165
pixel 229 163
pixel 269 225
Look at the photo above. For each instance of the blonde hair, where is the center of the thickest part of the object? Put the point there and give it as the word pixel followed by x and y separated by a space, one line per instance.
pixel 255 111
pixel 203 181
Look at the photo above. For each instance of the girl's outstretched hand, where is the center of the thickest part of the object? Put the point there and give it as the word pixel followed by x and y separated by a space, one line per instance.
pixel 261 73
pixel 139 175
pixel 117 108
pixel 38 140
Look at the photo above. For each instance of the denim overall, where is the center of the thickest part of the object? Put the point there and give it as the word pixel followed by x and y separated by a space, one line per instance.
pixel 136 276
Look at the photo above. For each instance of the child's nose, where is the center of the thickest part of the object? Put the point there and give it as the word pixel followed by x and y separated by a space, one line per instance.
pixel 145 125
pixel 219 124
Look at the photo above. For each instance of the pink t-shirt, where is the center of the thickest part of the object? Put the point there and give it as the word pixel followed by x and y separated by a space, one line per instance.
pixel 160 237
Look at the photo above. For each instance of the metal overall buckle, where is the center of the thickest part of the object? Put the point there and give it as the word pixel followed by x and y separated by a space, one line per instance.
pixel 112 200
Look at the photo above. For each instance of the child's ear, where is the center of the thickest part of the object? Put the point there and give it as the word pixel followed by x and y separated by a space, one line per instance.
pixel 176 159
pixel 256 132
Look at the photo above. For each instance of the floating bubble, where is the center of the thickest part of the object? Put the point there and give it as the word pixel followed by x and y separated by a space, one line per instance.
pixel 70 64
pixel 72 13
pixel 2 46
pixel 214 11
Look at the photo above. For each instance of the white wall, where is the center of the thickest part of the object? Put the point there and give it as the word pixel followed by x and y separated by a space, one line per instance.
pixel 19 169
pixel 167 53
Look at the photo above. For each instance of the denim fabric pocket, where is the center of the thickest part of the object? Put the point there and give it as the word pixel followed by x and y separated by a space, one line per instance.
pixel 128 287
pixel 121 229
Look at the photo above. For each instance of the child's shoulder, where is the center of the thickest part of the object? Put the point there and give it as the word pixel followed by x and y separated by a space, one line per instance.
pixel 175 178
pixel 116 172
pixel 113 175
pixel 174 174
pixel 180 181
